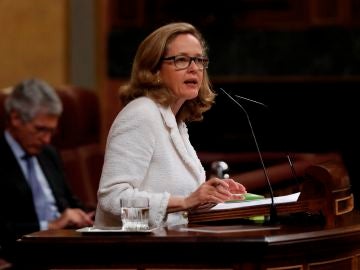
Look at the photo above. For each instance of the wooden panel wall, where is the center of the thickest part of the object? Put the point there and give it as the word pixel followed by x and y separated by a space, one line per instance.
pixel 33 41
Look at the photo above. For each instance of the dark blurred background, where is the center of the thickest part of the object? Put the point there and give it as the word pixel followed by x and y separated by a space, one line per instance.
pixel 299 57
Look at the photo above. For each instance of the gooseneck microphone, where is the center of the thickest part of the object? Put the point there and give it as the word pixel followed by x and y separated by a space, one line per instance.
pixel 273 210
pixel 294 174
pixel 251 100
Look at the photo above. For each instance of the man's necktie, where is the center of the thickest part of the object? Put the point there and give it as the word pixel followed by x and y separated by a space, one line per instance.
pixel 42 205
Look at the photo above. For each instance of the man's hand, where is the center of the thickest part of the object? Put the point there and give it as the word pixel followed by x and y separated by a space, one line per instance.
pixel 72 218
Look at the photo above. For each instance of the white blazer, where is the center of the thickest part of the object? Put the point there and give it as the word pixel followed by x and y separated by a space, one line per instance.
pixel 149 154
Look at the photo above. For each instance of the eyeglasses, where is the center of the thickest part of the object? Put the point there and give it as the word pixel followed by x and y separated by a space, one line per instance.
pixel 42 130
pixel 184 61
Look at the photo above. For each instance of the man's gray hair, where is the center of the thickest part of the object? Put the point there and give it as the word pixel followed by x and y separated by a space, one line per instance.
pixel 31 97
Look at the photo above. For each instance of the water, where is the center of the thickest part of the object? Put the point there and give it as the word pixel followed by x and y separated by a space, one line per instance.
pixel 135 218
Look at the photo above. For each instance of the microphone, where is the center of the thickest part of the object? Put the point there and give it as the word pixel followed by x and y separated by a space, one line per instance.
pixel 273 211
pixel 292 168
pixel 294 172
pixel 251 100
pixel 220 169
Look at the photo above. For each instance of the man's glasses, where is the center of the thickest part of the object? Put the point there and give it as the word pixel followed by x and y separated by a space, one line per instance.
pixel 43 130
pixel 184 61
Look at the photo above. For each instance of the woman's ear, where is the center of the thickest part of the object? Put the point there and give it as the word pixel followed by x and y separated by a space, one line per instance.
pixel 158 78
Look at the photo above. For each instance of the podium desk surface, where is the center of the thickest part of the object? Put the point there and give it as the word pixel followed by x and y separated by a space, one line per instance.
pixel 289 245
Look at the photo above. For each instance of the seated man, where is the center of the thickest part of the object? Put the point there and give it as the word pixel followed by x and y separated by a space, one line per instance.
pixel 33 191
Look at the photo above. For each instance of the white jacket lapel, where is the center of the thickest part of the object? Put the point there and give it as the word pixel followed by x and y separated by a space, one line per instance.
pixel 179 136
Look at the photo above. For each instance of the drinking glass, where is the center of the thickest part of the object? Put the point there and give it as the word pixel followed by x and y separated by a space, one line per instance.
pixel 135 213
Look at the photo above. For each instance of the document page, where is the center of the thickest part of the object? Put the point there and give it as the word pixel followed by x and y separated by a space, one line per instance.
pixel 228 229
pixel 267 201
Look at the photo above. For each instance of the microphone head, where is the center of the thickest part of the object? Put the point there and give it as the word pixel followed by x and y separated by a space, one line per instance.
pixel 220 169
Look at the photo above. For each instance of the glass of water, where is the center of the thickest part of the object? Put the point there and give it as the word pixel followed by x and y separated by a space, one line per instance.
pixel 135 213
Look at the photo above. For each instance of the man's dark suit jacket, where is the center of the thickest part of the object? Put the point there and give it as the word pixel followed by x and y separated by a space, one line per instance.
pixel 17 210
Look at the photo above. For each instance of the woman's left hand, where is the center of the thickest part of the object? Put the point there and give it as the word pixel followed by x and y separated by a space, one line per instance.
pixel 226 189
pixel 212 191
pixel 236 189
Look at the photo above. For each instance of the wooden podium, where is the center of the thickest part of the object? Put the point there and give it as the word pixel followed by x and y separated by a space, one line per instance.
pixel 325 190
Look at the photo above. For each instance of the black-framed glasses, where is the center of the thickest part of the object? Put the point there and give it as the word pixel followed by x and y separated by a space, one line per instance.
pixel 184 61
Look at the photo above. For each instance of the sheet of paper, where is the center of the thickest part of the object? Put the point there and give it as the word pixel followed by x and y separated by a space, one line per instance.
pixel 277 200
pixel 228 229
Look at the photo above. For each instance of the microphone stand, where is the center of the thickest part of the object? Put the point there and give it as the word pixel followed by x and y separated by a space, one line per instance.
pixel 273 211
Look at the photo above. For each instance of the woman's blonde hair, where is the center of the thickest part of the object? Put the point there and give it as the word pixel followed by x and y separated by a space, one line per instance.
pixel 144 80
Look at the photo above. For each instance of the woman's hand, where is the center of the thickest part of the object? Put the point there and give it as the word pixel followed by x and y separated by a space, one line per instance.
pixel 215 190
pixel 237 190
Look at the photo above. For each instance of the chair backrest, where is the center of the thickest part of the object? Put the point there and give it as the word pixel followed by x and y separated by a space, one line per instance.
pixel 80 121
pixel 78 140
pixel 3 93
